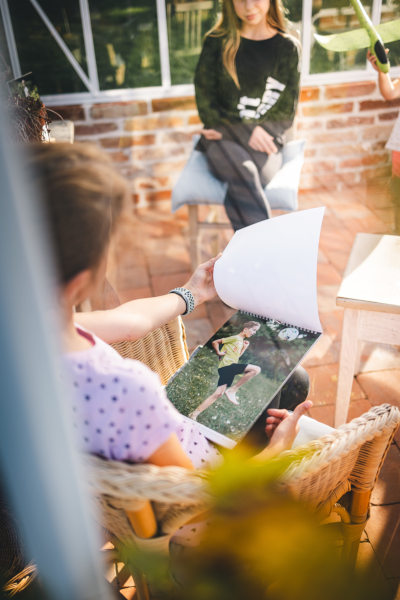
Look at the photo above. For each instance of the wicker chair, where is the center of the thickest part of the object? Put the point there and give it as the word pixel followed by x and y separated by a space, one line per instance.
pixel 144 504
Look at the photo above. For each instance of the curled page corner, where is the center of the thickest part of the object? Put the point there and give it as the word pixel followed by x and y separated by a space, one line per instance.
pixel 270 269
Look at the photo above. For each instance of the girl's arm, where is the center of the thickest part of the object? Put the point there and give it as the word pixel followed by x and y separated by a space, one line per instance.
pixel 133 320
pixel 205 83
pixel 170 453
pixel 388 88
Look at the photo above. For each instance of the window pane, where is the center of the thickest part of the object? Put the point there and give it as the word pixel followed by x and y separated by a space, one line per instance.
pixel 5 62
pixel 390 11
pixel 39 52
pixel 187 23
pixel 335 16
pixel 125 37
pixel 293 13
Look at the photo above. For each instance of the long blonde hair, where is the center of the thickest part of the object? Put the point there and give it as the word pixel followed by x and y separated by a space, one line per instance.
pixel 228 27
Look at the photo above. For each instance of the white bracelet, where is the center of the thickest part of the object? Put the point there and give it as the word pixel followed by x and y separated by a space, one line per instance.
pixel 187 296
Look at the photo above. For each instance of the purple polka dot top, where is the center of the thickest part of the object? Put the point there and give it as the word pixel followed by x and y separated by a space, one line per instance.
pixel 120 409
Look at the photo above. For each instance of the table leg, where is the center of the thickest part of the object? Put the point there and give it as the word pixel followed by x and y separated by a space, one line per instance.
pixel 194 249
pixel 347 362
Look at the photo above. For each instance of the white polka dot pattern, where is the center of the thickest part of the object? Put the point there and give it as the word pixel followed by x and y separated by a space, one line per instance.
pixel 120 410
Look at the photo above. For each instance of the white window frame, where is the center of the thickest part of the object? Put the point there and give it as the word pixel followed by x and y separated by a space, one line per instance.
pixel 166 89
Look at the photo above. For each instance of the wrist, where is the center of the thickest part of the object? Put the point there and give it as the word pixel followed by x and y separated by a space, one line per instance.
pixel 187 296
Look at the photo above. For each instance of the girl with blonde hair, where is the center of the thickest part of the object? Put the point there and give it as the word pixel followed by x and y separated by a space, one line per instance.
pixel 247 87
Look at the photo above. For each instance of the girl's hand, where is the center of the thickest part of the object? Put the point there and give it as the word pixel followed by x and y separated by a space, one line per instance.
pixel 372 59
pixel 211 134
pixel 262 141
pixel 282 426
pixel 201 283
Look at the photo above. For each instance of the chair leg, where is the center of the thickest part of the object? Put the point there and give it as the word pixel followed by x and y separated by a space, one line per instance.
pixel 348 356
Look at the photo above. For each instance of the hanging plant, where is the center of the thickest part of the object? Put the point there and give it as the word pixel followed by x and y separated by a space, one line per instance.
pixel 29 115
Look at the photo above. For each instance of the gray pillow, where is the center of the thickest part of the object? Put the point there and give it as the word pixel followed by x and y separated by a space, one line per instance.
pixel 197 185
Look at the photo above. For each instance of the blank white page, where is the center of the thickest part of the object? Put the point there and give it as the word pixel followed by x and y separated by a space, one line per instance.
pixel 270 269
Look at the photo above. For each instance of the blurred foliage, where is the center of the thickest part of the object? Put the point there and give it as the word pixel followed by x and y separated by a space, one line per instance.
pixel 199 378
pixel 259 544
pixel 26 111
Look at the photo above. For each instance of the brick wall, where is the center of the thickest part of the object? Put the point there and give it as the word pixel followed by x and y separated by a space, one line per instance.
pixel 346 127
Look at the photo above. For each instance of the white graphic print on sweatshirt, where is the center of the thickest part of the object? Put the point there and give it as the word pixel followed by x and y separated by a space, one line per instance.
pixel 254 108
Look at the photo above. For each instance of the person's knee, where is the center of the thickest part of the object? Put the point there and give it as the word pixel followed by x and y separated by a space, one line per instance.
pixel 220 391
pixel 253 369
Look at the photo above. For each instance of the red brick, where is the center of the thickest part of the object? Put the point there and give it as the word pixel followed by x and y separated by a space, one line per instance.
pixel 388 116
pixel 194 120
pixel 375 104
pixel 126 141
pixel 349 122
pixel 116 110
pixel 74 112
pixel 353 149
pixel 95 129
pixel 326 181
pixel 153 122
pixel 349 90
pixel 163 104
pixel 309 124
pixel 177 137
pixel 309 93
pixel 118 157
pixel 371 159
pixel 376 173
pixel 144 140
pixel 309 152
pixel 380 132
pixel 156 152
pixel 157 196
pixel 318 166
pixel 161 169
pixel 326 109
pixel 331 137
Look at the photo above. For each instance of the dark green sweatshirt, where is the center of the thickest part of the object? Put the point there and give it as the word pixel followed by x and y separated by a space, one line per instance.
pixel 268 73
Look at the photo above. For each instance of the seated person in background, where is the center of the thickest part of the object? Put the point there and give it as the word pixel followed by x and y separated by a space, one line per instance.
pixel 247 87
pixel 119 408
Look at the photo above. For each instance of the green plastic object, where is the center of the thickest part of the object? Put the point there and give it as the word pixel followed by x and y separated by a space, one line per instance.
pixel 369 36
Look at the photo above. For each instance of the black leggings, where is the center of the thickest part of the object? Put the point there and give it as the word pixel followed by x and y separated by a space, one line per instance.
pixel 246 172
pixel 292 393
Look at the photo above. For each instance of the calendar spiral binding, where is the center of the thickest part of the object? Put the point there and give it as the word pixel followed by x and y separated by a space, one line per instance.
pixel 244 312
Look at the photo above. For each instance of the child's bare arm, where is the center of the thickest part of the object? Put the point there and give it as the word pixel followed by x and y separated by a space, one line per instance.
pixel 390 89
pixel 215 344
pixel 133 320
pixel 246 344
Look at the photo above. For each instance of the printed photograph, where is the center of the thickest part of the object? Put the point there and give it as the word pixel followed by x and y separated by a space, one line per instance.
pixel 230 380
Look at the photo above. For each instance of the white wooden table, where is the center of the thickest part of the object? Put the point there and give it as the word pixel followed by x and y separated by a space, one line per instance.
pixel 370 296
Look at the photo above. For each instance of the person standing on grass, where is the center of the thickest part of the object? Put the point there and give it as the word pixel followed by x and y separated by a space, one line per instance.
pixel 229 366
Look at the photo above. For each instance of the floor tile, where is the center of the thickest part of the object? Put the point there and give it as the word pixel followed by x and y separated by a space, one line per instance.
pixel 383 530
pixel 387 488
pixel 323 384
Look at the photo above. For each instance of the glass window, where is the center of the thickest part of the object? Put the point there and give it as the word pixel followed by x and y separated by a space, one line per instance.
pixel 187 23
pixel 335 16
pixel 5 62
pixel 390 11
pixel 125 38
pixel 38 51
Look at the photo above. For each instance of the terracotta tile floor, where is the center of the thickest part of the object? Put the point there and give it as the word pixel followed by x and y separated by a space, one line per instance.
pixel 151 256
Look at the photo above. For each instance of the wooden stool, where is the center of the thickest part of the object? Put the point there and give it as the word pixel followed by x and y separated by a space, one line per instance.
pixel 370 296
